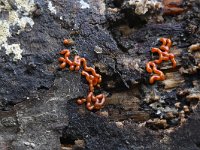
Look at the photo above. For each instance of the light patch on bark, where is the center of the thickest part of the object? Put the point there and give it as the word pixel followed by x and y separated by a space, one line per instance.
pixel 20 17
pixel 102 7
pixel 13 49
pixel 84 5
pixel 173 80
pixel 194 47
pixel 51 8
pixel 143 6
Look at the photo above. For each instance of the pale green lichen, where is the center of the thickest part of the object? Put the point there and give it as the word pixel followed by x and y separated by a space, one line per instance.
pixel 16 17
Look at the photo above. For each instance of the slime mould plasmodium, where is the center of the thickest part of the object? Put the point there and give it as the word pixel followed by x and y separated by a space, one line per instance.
pixel 93 78
pixel 164 55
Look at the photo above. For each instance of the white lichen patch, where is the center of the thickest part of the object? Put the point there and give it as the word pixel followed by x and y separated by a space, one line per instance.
pixel 13 49
pixel 24 21
pixel 19 17
pixel 51 8
pixel 99 6
pixel 61 17
pixel 98 49
pixel 26 5
pixel 4 32
pixel 84 5
pixel 130 63
pixel 143 6
pixel 102 7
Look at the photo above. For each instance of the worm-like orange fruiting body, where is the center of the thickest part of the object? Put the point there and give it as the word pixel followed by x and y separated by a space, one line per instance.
pixel 166 41
pixel 166 44
pixel 92 102
pixel 164 55
pixel 81 101
pixel 100 100
pixel 89 69
pixel 65 51
pixel 76 64
pixel 160 75
pixel 161 55
pixel 68 42
pixel 171 56
pixel 148 66
pixel 154 78
pixel 90 79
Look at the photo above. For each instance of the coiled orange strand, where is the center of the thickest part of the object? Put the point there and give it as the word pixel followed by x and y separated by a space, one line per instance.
pixel 166 45
pixel 93 102
pixel 160 75
pixel 76 64
pixel 164 55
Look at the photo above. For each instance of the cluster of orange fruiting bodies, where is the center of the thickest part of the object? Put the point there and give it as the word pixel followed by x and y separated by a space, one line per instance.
pixel 164 55
pixel 93 78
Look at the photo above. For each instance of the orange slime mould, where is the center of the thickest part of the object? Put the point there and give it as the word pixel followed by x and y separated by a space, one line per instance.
pixel 166 44
pixel 68 42
pixel 90 79
pixel 160 75
pixel 164 55
pixel 65 60
pixel 78 62
pixel 100 101
pixel 92 102
pixel 171 57
pixel 161 57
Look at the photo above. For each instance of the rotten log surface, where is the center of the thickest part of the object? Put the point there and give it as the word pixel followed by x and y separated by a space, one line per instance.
pixel 38 108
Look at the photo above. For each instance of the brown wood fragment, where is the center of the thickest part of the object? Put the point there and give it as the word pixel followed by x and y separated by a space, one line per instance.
pixel 137 116
pixel 126 99
pixel 193 96
pixel 194 47
pixel 160 123
pixel 186 109
pixel 119 124
pixel 170 115
pixel 177 105
pixel 173 79
pixel 103 113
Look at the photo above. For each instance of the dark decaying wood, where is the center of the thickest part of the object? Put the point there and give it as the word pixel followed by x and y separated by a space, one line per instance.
pixel 38 108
